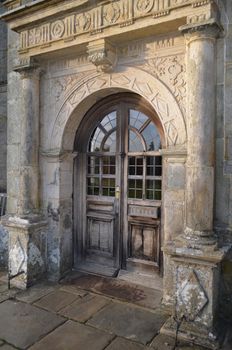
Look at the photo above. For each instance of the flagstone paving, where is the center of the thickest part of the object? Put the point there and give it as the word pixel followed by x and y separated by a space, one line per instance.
pixel 85 312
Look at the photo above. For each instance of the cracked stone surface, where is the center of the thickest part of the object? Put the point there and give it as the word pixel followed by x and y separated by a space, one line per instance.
pixel 23 324
pixel 67 317
pixel 129 322
pixel 72 336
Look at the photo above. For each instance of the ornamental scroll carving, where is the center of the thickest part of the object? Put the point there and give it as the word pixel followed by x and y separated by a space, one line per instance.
pixel 134 80
pixel 95 20
pixel 171 70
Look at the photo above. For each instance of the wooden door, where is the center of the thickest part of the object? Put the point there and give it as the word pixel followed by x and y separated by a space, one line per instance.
pixel 119 173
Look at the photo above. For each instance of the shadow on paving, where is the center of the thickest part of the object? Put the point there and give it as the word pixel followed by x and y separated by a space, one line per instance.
pixel 114 288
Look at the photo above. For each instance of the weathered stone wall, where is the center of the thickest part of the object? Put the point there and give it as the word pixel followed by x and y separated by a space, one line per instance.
pixel 3 102
pixel 3 134
pixel 223 185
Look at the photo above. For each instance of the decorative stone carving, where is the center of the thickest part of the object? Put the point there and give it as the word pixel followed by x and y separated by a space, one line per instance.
pixel 191 298
pixel 121 12
pixel 103 55
pixel 17 258
pixel 134 80
pixel 63 84
pixel 171 70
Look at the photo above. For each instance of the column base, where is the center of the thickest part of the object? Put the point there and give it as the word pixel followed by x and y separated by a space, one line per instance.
pixel 191 332
pixel 201 240
pixel 27 249
pixel 196 289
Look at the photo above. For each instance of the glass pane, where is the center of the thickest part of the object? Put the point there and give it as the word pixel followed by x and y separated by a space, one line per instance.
pixel 153 189
pixel 135 166
pixel 158 195
pixel 110 121
pixel 151 137
pixel 135 143
pixel 93 165
pixel 108 165
pixel 110 143
pixel 96 140
pixel 107 124
pixel 137 119
pixel 158 171
pixel 153 166
pixel 108 187
pixel 93 186
pixel 135 188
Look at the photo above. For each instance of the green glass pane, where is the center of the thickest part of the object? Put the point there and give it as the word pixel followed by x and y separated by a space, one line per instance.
pixel 158 160
pixel 139 170
pixel 150 194
pixel 131 194
pixel 96 191
pixel 112 170
pixel 158 185
pixel 112 182
pixel 139 194
pixel 105 191
pixel 150 184
pixel 158 195
pixel 90 190
pixel 112 192
pixel 131 160
pixel 131 184
pixel 131 170
pixel 158 171
pixel 139 184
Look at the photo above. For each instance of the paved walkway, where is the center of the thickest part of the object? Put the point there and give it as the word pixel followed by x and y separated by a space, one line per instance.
pixel 84 312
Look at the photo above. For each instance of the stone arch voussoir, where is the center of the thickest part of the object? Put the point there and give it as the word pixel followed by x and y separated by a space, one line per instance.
pixel 133 80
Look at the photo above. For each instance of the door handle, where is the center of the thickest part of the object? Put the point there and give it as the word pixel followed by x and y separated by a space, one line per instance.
pixel 117 192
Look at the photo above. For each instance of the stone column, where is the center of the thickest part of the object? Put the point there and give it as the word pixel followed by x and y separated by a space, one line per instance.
pixel 29 152
pixel 27 235
pixel 201 109
pixel 195 253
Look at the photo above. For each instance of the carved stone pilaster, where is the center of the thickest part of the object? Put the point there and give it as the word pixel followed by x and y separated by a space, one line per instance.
pixel 103 55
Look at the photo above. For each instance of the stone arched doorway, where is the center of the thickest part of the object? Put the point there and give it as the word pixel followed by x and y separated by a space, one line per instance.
pixel 118 187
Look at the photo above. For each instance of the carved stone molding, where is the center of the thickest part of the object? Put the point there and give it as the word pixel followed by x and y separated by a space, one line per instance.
pixel 103 55
pixel 134 80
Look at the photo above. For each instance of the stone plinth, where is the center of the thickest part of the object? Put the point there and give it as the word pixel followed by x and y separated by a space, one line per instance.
pixel 197 281
pixel 27 249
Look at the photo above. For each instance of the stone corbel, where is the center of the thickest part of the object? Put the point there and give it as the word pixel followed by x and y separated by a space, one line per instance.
pixel 102 54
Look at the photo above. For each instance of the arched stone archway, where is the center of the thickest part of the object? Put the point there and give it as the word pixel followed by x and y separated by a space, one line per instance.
pixel 85 94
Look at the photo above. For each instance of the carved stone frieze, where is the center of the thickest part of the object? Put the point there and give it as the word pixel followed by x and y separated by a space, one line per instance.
pixel 94 20
pixel 171 70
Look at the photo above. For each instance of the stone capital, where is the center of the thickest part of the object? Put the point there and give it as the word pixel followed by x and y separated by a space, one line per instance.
pixel 28 68
pixel 206 30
